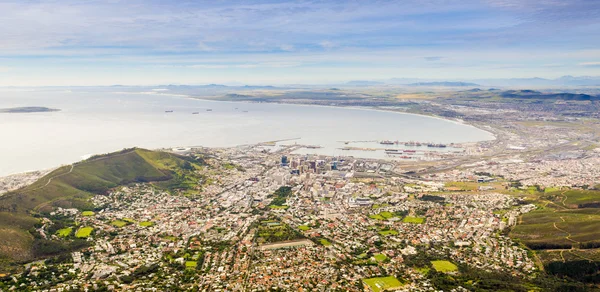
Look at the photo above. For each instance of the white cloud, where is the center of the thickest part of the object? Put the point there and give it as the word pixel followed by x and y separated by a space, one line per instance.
pixel 590 64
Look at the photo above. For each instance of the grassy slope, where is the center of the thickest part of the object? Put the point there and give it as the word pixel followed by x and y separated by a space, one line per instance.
pixel 72 188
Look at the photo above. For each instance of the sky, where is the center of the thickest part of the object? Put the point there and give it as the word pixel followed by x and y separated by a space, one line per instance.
pixel 150 42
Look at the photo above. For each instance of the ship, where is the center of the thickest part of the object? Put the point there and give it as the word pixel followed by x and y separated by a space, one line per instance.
pixel 411 143
pixel 313 147
pixel 432 145
pixel 168 111
pixel 209 110
pixel 391 150
pixel 386 142
pixel 195 113
pixel 409 151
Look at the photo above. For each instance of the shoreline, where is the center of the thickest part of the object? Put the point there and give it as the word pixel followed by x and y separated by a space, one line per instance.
pixel 455 121
pixel 362 108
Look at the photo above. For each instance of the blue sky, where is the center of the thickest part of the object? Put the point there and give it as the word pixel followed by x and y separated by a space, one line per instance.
pixel 282 42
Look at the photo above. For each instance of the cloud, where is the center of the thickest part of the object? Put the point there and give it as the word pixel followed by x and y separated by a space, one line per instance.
pixel 328 45
pixel 590 64
pixel 286 47
pixel 204 47
pixel 268 36
pixel 244 65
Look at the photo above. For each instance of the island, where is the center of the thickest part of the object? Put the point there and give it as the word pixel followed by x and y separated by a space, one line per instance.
pixel 28 109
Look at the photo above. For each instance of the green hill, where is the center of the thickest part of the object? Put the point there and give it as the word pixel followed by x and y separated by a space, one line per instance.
pixel 72 186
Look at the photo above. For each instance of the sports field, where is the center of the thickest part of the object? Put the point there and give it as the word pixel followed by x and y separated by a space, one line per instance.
pixel 146 223
pixel 118 223
pixel 415 220
pixel 444 266
pixel 84 232
pixel 382 283
pixel 64 232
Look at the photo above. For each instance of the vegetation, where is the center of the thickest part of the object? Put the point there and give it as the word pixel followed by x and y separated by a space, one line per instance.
pixel 380 257
pixel 191 264
pixel 388 232
pixel 270 231
pixel 119 223
pixel 72 186
pixel 382 283
pixel 146 223
pixel 84 232
pixel 414 220
pixel 324 242
pixel 549 228
pixel 280 197
pixel 444 266
pixel 64 232
pixel 303 227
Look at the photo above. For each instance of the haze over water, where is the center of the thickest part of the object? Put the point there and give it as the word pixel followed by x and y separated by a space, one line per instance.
pixel 100 122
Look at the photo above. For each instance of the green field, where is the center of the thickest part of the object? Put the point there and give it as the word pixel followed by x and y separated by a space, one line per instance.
pixel 64 232
pixel 119 223
pixel 84 232
pixel 376 217
pixel 414 220
pixel 380 257
pixel 191 264
pixel 386 214
pixel 278 207
pixel 270 231
pixel 382 283
pixel 382 215
pixel 324 242
pixel 303 227
pixel 146 223
pixel 553 228
pixel 87 213
pixel 463 186
pixel 444 266
pixel 580 198
pixel 388 232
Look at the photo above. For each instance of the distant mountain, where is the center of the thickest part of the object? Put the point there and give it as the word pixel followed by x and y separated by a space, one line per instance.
pixel 532 94
pixel 363 83
pixel 535 81
pixel 562 81
pixel 443 83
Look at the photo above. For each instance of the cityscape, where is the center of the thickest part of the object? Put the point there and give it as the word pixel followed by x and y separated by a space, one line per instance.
pixel 278 145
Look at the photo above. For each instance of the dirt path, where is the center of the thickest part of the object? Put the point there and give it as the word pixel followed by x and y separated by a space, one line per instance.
pixel 568 237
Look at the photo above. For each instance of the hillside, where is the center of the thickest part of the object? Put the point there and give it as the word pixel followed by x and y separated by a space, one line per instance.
pixel 72 186
pixel 532 94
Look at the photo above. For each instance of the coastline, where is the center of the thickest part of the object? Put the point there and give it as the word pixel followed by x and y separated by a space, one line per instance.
pixel 494 136
pixel 377 109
